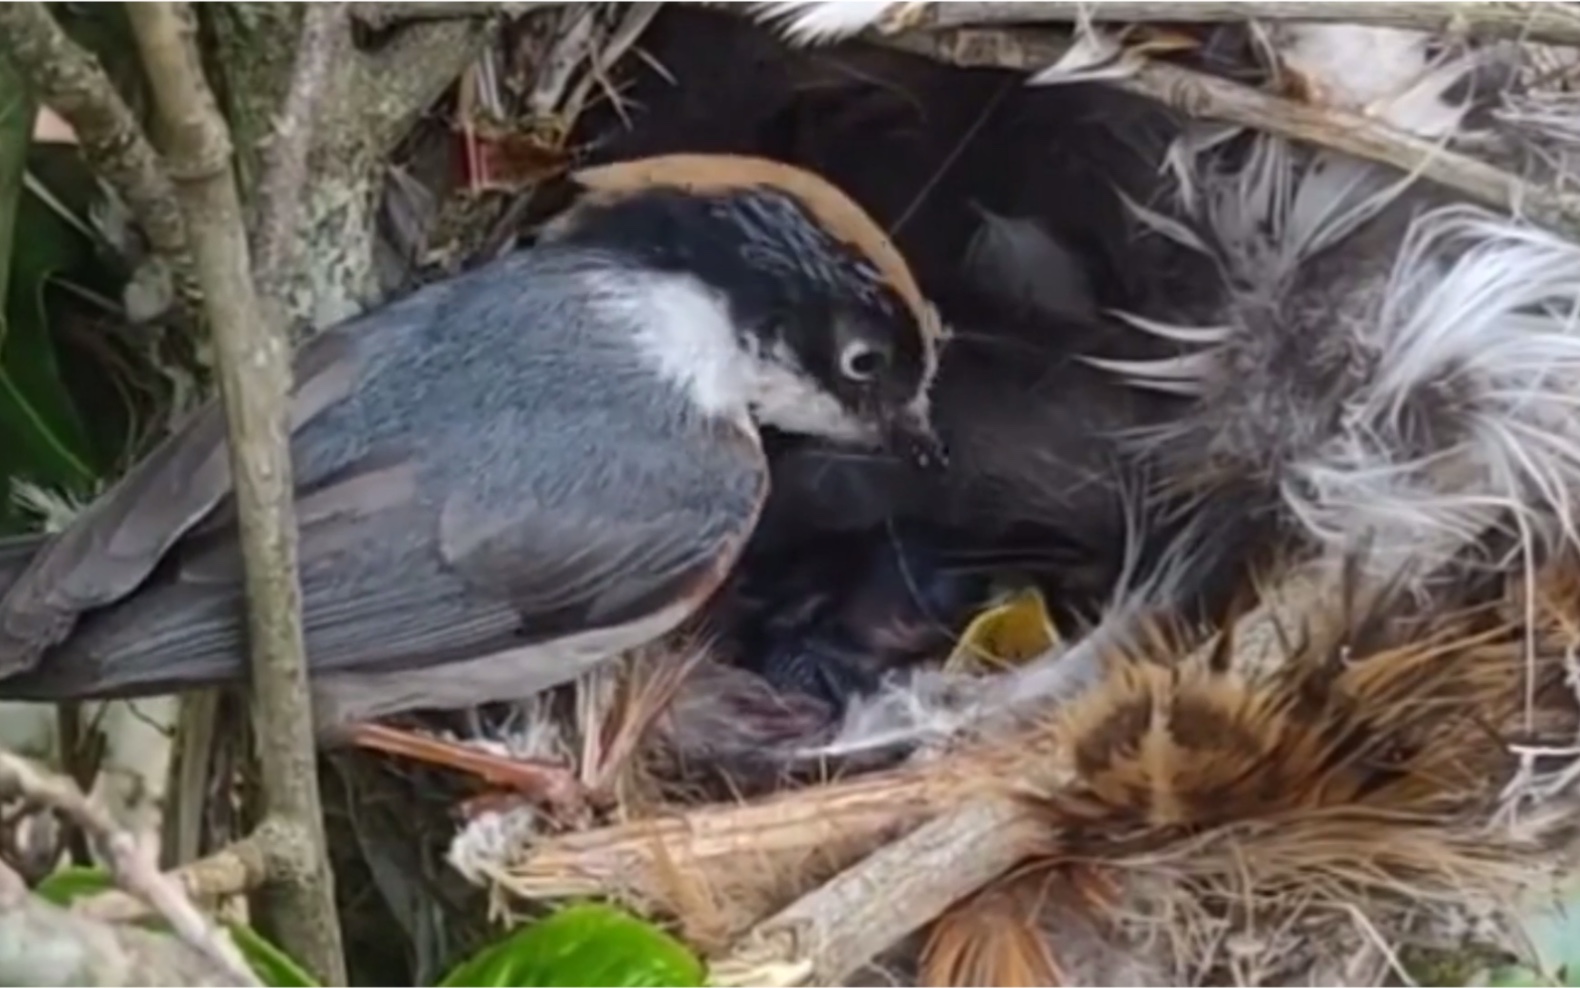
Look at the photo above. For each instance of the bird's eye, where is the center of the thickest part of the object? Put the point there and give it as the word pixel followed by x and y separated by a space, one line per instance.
pixel 861 361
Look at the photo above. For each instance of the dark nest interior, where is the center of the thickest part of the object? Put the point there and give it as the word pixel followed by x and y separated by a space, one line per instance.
pixel 1121 696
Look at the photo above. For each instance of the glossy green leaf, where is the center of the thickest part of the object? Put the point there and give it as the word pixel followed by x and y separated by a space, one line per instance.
pixel 586 944
pixel 272 965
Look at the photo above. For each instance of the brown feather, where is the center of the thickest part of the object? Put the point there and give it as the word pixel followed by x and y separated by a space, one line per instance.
pixel 835 211
pixel 1355 784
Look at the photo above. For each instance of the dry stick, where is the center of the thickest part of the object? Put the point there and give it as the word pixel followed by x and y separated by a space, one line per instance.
pixel 255 380
pixel 630 857
pixel 1551 22
pixel 131 862
pixel 865 910
pixel 1197 94
pixel 71 82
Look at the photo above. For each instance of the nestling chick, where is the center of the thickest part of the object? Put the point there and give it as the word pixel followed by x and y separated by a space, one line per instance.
pixel 507 477
pixel 863 564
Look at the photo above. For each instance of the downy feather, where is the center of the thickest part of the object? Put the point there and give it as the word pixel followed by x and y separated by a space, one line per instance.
pixel 805 23
pixel 1392 369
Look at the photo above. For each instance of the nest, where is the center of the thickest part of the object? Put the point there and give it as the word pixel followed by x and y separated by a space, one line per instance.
pixel 1325 783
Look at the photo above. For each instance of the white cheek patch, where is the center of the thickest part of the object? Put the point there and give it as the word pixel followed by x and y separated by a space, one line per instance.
pixel 786 397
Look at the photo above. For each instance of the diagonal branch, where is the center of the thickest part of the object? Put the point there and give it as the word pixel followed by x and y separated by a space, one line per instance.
pixel 831 932
pixel 1558 23
pixel 1198 94
pixel 391 87
pixel 255 382
pixel 70 80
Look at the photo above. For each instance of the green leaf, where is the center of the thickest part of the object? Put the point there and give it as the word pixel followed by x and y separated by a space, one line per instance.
pixel 44 437
pixel 65 886
pixel 271 964
pixel 34 403
pixel 585 944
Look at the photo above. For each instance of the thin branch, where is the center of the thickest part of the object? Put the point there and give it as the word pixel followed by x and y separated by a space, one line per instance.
pixel 131 862
pixel 1558 23
pixel 239 868
pixel 1197 94
pixel 325 34
pixel 870 907
pixel 255 381
pixel 72 82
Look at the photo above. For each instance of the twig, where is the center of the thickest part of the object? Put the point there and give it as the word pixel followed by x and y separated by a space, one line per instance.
pixel 255 380
pixel 239 868
pixel 1558 23
pixel 131 862
pixel 279 209
pixel 873 905
pixel 71 81
pixel 1200 95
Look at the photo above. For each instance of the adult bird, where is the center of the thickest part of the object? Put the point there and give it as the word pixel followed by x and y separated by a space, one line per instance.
pixel 507 477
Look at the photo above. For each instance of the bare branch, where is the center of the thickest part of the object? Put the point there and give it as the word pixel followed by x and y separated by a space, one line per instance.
pixel 1551 22
pixel 131 862
pixel 279 210
pixel 72 82
pixel 1200 95
pixel 255 381
pixel 870 907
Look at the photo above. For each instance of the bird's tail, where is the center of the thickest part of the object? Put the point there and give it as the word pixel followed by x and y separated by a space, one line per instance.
pixel 1392 371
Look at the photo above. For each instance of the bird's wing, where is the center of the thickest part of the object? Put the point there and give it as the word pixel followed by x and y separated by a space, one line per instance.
pixel 394 581
pixel 569 565
pixel 112 547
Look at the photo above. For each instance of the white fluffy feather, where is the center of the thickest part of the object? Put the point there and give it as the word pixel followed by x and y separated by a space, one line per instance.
pixel 820 23
pixel 1411 390
pixel 1387 73
pixel 1484 311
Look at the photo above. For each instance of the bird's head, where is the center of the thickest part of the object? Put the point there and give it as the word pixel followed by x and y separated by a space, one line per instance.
pixel 834 336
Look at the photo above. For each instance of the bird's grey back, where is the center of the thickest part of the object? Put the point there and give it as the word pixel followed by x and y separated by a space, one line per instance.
pixel 515 389
pixel 535 348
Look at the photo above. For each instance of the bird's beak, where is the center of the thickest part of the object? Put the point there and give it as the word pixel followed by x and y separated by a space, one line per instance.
pixel 909 435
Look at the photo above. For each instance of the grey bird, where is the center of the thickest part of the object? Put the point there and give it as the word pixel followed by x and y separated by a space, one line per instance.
pixel 506 477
